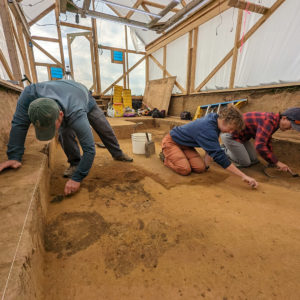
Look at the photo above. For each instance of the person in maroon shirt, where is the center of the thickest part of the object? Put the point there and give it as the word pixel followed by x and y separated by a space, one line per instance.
pixel 260 126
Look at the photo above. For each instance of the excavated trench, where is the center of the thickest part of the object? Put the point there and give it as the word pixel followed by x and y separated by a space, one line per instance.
pixel 139 231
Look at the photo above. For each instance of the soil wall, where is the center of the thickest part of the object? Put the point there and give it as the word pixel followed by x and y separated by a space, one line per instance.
pixel 269 99
pixel 8 101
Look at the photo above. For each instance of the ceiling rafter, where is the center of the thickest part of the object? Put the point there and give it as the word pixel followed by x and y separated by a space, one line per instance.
pixel 157 5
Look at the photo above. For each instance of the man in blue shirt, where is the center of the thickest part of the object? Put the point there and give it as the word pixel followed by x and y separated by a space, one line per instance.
pixel 178 146
pixel 65 105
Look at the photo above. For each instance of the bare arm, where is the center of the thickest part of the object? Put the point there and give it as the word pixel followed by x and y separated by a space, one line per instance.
pixel 234 170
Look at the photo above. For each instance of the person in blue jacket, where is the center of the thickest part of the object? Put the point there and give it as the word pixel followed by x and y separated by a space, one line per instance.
pixel 67 106
pixel 178 147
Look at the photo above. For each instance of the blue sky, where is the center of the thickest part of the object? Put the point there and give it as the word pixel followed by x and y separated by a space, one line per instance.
pixel 109 34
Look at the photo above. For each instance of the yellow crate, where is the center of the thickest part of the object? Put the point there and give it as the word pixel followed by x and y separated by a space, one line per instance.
pixel 119 110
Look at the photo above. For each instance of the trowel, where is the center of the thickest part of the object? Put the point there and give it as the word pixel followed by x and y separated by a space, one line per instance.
pixel 149 147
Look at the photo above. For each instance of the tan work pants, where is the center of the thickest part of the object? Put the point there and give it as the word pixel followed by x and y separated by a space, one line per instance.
pixel 181 159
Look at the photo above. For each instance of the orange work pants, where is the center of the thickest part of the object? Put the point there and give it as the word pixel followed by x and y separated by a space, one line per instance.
pixel 181 159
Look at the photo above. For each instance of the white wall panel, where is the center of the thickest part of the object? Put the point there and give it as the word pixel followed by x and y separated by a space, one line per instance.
pixel 177 54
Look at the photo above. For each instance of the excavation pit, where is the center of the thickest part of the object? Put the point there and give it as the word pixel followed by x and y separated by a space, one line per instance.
pixel 140 231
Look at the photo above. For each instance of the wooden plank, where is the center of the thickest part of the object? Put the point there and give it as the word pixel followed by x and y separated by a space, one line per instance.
pixel 41 15
pixel 136 5
pixel 46 39
pixel 147 10
pixel 157 5
pixel 9 85
pixel 70 40
pixel 115 82
pixel 6 66
pixel 61 50
pixel 165 61
pixel 21 16
pixel 21 44
pixel 235 48
pixel 209 11
pixel 168 74
pixel 75 26
pixel 10 41
pixel 46 53
pixel 193 63
pixel 147 69
pixel 126 53
pixel 63 6
pixel 31 59
pixel 246 37
pixel 158 93
pixel 256 8
pixel 121 49
pixel 96 54
pixel 39 64
pixel 189 62
pixel 90 38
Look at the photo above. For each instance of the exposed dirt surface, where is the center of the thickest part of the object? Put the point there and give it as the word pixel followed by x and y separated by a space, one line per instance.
pixel 139 231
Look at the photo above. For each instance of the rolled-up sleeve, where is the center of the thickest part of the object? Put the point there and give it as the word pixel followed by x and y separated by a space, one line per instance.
pixel 85 137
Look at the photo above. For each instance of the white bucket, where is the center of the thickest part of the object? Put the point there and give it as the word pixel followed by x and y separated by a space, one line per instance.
pixel 138 142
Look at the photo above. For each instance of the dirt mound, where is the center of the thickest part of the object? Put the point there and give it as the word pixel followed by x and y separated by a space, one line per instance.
pixel 72 232
pixel 128 246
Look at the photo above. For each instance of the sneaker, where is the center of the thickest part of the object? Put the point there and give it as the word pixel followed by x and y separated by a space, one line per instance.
pixel 162 156
pixel 69 171
pixel 124 157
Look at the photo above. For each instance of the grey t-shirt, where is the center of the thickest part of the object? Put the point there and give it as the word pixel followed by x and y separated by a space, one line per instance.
pixel 75 102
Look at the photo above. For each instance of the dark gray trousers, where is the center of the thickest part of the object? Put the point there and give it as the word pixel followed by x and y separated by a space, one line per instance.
pixel 97 119
pixel 242 154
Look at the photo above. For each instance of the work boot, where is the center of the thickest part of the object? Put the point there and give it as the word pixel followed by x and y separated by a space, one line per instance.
pixel 124 157
pixel 162 156
pixel 68 173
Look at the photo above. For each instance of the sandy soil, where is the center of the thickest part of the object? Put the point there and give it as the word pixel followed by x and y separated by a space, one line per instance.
pixel 139 231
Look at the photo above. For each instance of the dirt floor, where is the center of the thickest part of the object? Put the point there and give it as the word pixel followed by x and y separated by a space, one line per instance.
pixel 139 231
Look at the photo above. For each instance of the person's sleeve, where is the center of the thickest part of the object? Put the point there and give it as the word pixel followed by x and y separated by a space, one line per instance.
pixel 212 146
pixel 18 132
pixel 263 142
pixel 83 131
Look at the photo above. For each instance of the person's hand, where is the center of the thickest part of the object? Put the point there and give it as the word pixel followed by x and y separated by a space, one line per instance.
pixel 283 167
pixel 10 164
pixel 251 181
pixel 71 187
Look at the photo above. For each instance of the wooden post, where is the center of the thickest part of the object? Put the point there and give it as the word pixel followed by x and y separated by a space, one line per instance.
pixel 126 44
pixel 96 57
pixel 147 69
pixel 10 42
pixel 189 62
pixel 235 49
pixel 165 61
pixel 193 63
pixel 70 40
pixel 31 59
pixel 57 10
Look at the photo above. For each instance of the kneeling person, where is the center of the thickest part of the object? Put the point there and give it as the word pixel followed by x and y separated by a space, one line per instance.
pixel 178 147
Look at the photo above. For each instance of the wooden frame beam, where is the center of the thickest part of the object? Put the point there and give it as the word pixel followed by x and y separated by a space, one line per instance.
pixel 157 5
pixel 46 39
pixel 256 8
pixel 136 5
pixel 42 14
pixel 246 37
pixel 75 26
pixel 47 53
pixel 235 48
pixel 10 40
pixel 193 62
pixel 121 49
pixel 206 13
pixel 6 66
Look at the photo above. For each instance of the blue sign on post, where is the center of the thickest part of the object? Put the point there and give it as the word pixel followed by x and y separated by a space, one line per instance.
pixel 56 72
pixel 117 56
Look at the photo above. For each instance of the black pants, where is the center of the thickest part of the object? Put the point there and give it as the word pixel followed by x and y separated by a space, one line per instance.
pixel 97 119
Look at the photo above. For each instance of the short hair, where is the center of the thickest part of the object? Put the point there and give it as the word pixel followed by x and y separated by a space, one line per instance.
pixel 232 115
